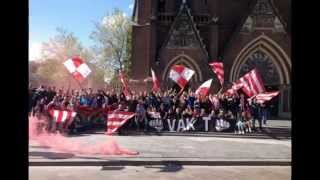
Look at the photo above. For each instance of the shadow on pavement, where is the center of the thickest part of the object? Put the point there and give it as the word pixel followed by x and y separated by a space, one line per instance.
pixel 277 133
pixel 77 135
pixel 52 155
pixel 42 147
pixel 112 168
pixel 167 167
pixel 96 158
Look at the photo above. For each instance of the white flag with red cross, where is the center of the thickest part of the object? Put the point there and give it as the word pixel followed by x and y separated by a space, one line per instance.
pixel 78 68
pixel 204 88
pixel 181 75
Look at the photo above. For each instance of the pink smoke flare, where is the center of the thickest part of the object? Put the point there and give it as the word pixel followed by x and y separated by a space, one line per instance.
pixel 61 143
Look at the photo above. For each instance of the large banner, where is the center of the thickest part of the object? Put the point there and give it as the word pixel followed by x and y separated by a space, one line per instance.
pixel 185 124
pixel 97 118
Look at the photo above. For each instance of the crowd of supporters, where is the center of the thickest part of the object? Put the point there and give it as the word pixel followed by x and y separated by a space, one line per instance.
pixel 229 112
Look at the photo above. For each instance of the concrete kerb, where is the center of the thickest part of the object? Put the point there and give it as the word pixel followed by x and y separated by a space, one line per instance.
pixel 165 162
pixel 222 135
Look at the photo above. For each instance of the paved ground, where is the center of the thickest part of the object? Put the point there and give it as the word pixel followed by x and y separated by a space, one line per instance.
pixel 175 148
pixel 278 123
pixel 170 157
pixel 161 173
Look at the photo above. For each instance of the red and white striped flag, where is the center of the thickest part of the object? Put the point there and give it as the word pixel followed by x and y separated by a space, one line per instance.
pixel 124 82
pixel 217 68
pixel 116 119
pixel 156 84
pixel 65 117
pixel 267 96
pixel 235 87
pixel 252 83
pixel 181 75
pixel 204 88
pixel 77 68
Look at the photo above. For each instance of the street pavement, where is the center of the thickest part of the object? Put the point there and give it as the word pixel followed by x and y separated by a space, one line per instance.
pixel 187 149
pixel 173 172
pixel 171 157
pixel 172 148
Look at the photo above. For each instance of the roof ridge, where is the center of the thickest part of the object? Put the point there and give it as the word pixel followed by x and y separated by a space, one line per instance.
pixel 194 28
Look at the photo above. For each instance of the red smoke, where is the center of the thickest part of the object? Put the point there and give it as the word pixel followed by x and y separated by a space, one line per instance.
pixel 64 144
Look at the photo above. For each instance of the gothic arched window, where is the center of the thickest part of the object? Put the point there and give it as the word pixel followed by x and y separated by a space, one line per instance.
pixel 265 66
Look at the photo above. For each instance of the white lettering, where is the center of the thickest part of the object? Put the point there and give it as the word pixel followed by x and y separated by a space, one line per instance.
pixel 171 126
pixel 181 125
pixel 190 124
pixel 206 119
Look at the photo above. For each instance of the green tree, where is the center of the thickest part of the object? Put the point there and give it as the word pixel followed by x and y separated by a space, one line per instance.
pixel 113 41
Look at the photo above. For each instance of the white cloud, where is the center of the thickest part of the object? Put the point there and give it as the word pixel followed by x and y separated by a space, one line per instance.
pixel 34 51
pixel 131 6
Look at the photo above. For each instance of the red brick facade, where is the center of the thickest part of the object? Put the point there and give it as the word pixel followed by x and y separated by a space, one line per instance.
pixel 238 33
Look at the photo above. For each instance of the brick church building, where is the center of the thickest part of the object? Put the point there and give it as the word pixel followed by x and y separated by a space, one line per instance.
pixel 243 34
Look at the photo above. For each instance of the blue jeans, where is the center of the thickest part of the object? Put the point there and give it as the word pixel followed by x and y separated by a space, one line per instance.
pixel 140 120
pixel 264 117
pixel 254 122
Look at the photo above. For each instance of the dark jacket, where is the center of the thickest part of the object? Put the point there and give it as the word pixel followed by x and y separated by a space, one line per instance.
pixel 256 110
pixel 132 105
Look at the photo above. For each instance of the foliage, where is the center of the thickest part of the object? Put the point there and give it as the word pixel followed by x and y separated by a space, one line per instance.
pixel 113 41
pixel 112 52
pixel 58 49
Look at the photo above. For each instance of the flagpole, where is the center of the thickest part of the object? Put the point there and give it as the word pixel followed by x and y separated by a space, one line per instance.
pixel 68 90
pixel 219 92
pixel 79 84
pixel 76 81
pixel 181 91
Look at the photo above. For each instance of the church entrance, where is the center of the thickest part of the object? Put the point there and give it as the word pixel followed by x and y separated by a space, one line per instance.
pixel 269 74
pixel 185 61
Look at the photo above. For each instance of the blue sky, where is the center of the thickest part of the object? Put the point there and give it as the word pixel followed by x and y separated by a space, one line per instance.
pixel 76 16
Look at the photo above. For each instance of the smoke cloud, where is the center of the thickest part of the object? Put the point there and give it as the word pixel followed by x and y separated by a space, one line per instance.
pixel 61 143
